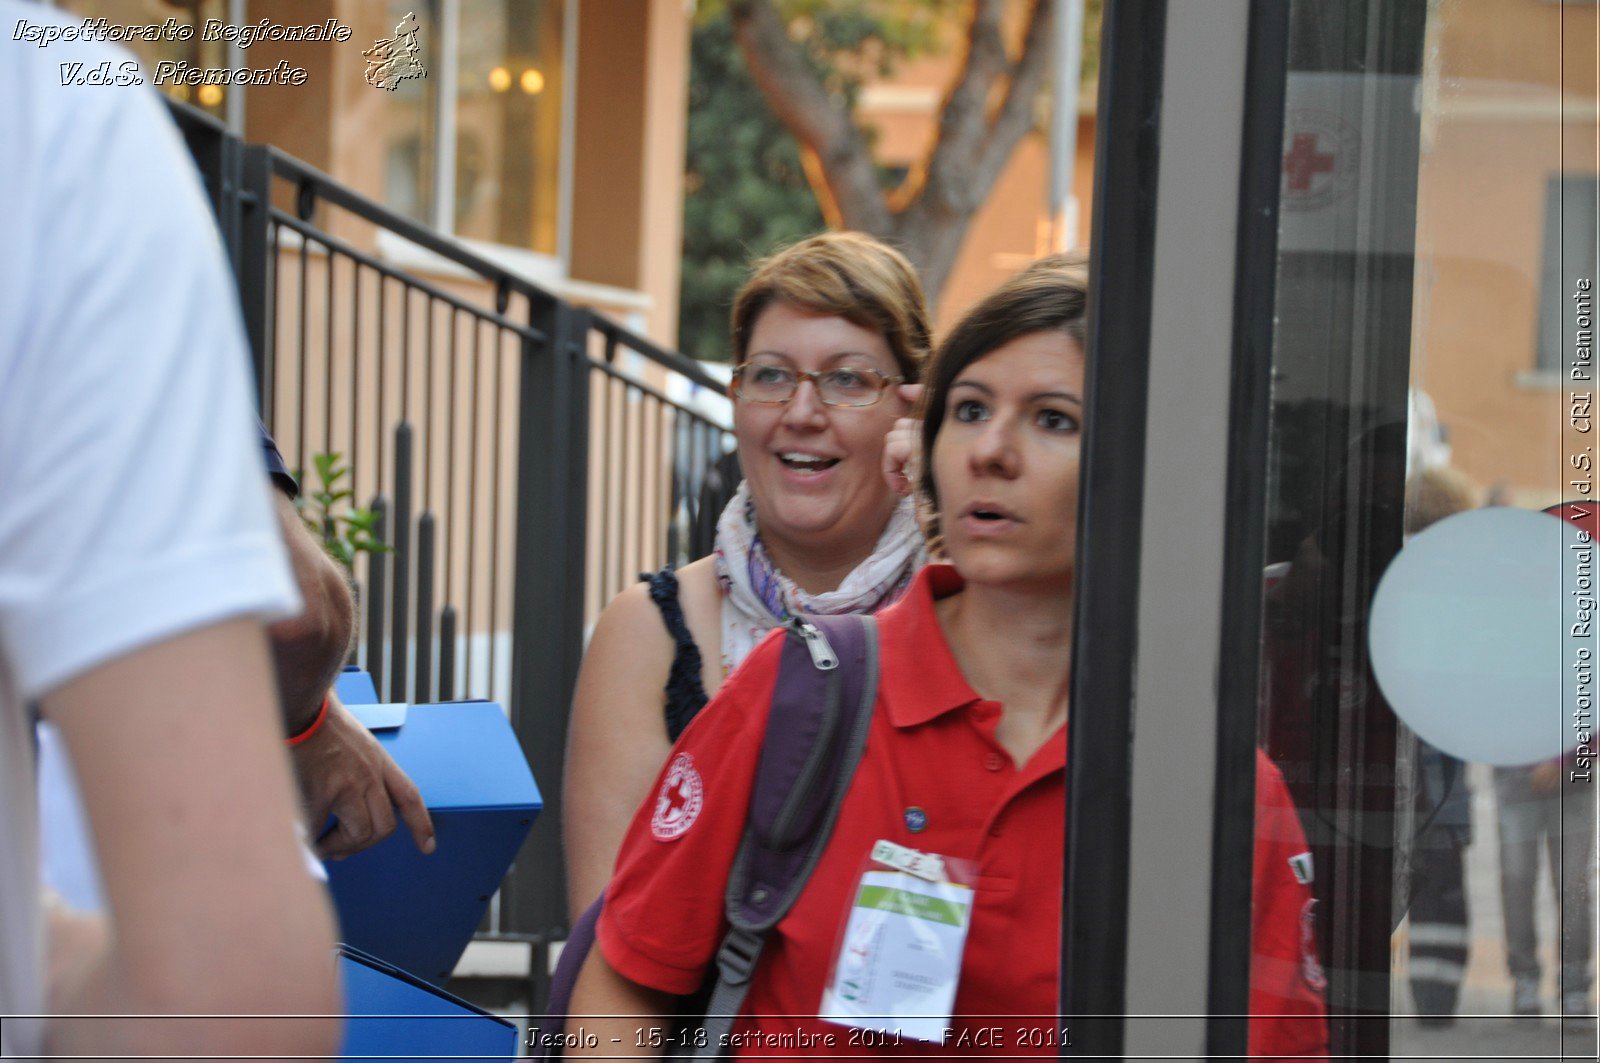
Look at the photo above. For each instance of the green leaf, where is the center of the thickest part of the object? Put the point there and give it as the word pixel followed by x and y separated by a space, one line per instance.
pixel 343 530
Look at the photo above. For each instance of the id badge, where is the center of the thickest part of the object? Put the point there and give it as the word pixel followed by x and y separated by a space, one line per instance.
pixel 898 962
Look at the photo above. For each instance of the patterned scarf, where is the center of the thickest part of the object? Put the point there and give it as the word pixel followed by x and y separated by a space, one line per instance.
pixel 757 597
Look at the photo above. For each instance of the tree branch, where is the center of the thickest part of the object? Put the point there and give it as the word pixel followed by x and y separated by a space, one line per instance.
pixel 972 150
pixel 963 120
pixel 977 134
pixel 823 128
pixel 1016 114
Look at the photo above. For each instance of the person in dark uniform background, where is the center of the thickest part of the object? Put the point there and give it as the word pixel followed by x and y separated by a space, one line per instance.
pixel 1439 938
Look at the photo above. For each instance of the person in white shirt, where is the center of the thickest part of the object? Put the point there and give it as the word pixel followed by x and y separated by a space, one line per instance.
pixel 139 560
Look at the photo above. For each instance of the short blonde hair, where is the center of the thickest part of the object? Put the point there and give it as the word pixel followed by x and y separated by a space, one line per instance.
pixel 848 275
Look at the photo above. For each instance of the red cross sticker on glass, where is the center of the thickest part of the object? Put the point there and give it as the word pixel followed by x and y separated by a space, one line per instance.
pixel 1303 162
pixel 1320 160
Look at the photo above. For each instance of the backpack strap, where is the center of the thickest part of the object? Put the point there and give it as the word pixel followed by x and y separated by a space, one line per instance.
pixel 816 731
pixel 580 942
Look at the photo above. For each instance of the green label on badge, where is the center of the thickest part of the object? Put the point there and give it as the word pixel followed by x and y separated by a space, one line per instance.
pixel 916 905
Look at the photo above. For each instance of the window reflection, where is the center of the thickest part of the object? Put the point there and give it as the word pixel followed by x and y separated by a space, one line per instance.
pixel 1437 231
pixel 411 132
pixel 1505 232
pixel 504 91
pixel 195 52
pixel 508 122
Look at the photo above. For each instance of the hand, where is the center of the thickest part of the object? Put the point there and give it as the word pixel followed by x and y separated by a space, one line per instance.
pixel 902 450
pixel 345 772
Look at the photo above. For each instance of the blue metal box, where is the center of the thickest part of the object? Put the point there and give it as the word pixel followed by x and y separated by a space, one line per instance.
pixel 419 912
pixel 411 1020
pixel 354 686
pixel 416 911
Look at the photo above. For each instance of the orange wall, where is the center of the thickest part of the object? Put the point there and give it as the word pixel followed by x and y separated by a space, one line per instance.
pixel 607 207
pixel 1494 136
pixel 1011 228
pixel 627 176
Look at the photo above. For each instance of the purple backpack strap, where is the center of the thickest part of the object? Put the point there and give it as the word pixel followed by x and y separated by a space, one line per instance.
pixel 821 707
pixel 580 942
pixel 816 731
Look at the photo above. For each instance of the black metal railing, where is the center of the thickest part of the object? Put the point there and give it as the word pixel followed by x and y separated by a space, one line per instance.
pixel 654 471
pixel 527 457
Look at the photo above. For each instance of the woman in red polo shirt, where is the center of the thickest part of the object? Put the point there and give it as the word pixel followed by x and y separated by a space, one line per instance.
pixel 965 761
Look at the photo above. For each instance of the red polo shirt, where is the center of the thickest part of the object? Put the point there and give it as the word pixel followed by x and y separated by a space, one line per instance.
pixel 931 748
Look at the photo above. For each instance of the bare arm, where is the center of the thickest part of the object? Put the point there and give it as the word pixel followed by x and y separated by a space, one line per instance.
pixel 189 796
pixel 343 771
pixel 308 650
pixel 617 740
pixel 75 944
pixel 621 1014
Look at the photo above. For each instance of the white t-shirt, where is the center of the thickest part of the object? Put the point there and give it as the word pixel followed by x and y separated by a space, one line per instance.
pixel 133 503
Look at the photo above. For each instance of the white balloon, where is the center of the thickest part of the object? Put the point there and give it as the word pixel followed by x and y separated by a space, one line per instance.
pixel 1478 636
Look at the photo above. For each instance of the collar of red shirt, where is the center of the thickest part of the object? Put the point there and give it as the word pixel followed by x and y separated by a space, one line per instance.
pixel 918 676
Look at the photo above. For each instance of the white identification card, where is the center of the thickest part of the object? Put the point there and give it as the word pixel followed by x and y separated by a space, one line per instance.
pixel 900 959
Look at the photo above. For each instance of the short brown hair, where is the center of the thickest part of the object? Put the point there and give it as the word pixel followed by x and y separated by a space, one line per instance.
pixel 848 275
pixel 1052 295
pixel 1437 492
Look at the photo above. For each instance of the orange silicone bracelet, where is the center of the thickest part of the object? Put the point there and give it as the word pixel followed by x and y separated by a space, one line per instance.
pixel 315 725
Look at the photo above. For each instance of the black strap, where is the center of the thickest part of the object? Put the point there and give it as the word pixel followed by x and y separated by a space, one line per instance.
pixel 686 694
pixel 816 731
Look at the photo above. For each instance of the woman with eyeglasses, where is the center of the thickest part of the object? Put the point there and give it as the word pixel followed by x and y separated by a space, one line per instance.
pixel 824 335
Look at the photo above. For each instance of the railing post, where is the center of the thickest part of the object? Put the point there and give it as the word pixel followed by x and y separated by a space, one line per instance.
pixel 208 142
pixel 253 260
pixel 547 616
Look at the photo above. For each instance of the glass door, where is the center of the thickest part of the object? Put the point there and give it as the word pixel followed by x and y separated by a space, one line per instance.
pixel 1332 744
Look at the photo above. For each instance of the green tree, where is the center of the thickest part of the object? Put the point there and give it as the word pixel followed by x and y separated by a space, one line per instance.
pixel 775 156
pixel 747 192
pixel 991 103
pixel 745 189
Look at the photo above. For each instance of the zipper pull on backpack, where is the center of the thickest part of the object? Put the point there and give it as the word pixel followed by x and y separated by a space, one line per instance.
pixel 822 654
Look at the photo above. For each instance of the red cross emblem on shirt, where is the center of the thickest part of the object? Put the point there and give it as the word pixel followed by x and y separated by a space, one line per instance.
pixel 679 801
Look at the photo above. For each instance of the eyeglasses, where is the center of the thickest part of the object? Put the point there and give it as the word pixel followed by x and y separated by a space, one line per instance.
pixel 776 384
